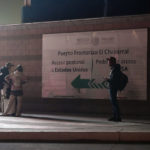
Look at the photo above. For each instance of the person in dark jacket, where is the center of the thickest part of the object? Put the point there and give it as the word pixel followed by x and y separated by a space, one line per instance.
pixel 4 87
pixel 113 88
pixel 5 70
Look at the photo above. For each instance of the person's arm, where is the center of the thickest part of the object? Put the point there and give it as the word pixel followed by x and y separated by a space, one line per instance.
pixel 114 79
pixel 107 79
pixel 7 79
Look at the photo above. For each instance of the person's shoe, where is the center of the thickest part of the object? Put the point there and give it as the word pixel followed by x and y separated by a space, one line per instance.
pixel 18 115
pixel 115 119
pixel 111 119
pixel 4 114
pixel 12 114
pixel 118 120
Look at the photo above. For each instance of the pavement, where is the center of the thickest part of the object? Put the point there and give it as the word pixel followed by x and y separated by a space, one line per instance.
pixel 70 128
pixel 72 146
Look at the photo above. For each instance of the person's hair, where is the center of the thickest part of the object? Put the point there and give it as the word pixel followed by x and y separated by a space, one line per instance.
pixel 112 59
pixel 19 68
pixel 9 65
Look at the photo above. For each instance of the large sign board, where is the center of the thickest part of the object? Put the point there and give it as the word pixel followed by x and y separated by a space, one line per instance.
pixel 74 64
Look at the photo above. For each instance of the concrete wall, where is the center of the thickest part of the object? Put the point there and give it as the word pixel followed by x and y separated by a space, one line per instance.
pixel 22 44
pixel 10 11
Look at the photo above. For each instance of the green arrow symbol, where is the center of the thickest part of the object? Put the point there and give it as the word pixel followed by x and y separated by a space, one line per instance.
pixel 80 83
pixel 87 83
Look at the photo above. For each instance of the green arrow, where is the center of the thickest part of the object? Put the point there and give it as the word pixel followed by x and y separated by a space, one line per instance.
pixel 87 83
pixel 80 83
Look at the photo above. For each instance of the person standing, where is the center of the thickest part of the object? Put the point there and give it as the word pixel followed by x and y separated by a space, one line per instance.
pixel 113 88
pixel 17 79
pixel 4 87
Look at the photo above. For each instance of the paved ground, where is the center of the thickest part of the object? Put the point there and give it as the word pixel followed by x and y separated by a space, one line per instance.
pixel 72 146
pixel 33 127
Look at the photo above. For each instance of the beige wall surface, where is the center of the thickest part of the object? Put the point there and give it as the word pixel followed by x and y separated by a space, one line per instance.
pixel 22 44
pixel 10 11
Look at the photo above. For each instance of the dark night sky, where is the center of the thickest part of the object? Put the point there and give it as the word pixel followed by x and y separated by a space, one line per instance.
pixel 128 7
pixel 75 9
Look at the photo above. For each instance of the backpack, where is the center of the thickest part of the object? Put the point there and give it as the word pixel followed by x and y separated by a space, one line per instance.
pixel 1 81
pixel 122 81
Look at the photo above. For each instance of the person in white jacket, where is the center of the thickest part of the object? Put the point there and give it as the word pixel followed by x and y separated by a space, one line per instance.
pixel 16 79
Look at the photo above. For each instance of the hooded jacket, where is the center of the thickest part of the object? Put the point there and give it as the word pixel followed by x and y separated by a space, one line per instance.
pixel 114 76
